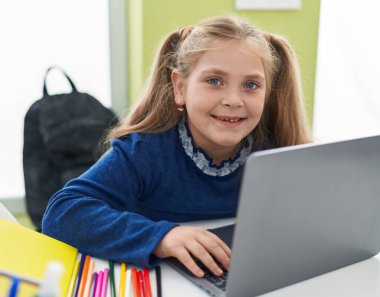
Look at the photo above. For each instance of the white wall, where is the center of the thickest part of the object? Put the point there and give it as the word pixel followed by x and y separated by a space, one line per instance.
pixel 347 102
pixel 34 35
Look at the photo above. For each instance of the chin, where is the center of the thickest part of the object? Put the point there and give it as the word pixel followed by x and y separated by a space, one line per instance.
pixel 228 143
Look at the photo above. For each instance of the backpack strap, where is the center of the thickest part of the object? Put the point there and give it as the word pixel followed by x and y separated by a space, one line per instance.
pixel 74 89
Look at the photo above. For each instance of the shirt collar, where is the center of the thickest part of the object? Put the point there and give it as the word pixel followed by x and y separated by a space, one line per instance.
pixel 204 162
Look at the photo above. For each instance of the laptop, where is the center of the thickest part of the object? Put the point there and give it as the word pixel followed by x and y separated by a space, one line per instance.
pixel 303 211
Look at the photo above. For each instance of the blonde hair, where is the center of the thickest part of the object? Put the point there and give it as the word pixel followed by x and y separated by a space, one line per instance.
pixel 282 123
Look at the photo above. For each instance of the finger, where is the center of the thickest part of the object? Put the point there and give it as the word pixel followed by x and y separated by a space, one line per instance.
pixel 215 247
pixel 200 252
pixel 224 246
pixel 185 258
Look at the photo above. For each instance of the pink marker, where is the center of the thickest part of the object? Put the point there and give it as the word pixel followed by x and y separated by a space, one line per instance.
pixel 105 282
pixel 99 284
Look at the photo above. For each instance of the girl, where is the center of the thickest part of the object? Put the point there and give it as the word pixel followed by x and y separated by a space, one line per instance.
pixel 217 92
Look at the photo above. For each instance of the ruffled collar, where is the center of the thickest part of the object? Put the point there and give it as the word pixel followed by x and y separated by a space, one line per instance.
pixel 204 162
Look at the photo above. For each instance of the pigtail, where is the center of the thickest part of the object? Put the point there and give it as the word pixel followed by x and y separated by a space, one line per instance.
pixel 156 110
pixel 283 117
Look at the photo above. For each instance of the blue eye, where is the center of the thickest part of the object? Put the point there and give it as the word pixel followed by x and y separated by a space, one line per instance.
pixel 250 85
pixel 214 81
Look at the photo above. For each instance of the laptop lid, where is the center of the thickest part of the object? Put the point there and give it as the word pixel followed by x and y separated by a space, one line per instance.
pixel 303 211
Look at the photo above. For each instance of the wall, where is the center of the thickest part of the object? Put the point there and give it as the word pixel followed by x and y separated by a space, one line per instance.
pixel 151 20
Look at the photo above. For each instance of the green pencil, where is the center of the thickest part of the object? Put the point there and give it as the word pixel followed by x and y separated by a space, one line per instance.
pixel 112 278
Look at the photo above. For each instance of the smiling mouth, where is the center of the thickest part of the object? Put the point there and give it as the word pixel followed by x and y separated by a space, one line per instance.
pixel 228 119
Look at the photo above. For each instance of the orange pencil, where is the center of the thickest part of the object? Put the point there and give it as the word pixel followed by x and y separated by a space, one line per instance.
pixel 84 276
pixel 147 283
pixel 87 285
pixel 135 283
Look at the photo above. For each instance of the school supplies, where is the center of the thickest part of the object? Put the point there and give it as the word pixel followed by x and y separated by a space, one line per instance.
pixel 140 280
pixel 83 276
pixel 93 285
pixel 24 270
pixel 112 278
pixel 73 279
pixel 88 282
pixel 158 280
pixel 122 280
pixel 105 282
pixel 147 282
pixel 128 283
pixel 135 284
pixel 26 253
pixel 99 284
pixel 77 284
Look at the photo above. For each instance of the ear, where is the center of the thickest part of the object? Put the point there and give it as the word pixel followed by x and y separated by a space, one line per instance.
pixel 178 87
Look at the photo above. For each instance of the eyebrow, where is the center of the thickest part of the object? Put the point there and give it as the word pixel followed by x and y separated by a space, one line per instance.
pixel 217 71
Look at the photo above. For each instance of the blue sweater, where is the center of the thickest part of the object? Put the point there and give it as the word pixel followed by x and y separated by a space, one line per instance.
pixel 123 206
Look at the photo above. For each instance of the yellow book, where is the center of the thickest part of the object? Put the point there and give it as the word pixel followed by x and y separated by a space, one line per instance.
pixel 26 253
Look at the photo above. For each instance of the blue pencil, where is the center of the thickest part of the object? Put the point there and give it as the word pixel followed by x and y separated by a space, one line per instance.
pixel 14 288
pixel 83 257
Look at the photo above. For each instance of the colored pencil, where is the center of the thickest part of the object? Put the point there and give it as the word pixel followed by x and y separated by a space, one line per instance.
pixel 80 271
pixel 94 283
pixel 147 282
pixel 140 279
pixel 105 282
pixel 73 279
pixel 128 282
pixel 99 284
pixel 88 282
pixel 135 284
pixel 122 280
pixel 158 280
pixel 112 278
pixel 84 276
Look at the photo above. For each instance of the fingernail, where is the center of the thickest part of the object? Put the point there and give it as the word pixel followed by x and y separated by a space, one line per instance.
pixel 219 271
pixel 200 273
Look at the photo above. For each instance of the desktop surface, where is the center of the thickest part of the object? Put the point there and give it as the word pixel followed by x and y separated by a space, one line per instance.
pixel 360 279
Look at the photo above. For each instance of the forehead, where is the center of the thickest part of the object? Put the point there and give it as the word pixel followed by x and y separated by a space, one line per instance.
pixel 230 56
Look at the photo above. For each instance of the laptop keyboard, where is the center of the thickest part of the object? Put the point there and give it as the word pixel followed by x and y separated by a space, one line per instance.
pixel 218 281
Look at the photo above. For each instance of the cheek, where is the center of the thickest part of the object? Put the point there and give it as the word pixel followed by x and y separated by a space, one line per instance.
pixel 256 107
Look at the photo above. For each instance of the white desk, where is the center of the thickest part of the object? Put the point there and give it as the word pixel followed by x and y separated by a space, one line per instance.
pixel 359 280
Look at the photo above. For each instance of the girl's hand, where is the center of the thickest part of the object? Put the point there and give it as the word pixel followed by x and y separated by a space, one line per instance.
pixel 183 242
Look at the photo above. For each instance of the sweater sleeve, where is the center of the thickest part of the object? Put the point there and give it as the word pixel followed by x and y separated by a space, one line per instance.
pixel 91 212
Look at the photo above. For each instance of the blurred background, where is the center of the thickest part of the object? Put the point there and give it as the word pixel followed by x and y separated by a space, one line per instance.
pixel 107 47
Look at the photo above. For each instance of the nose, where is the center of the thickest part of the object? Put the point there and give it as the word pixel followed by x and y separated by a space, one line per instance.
pixel 232 98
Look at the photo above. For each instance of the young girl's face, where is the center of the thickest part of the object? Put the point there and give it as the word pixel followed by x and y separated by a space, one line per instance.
pixel 224 97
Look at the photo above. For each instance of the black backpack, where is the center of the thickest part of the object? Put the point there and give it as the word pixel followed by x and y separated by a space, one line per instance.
pixel 62 139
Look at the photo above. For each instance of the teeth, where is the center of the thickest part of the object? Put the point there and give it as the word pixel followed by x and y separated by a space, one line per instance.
pixel 228 120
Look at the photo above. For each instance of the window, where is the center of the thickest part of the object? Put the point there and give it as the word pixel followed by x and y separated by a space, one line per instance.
pixel 347 101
